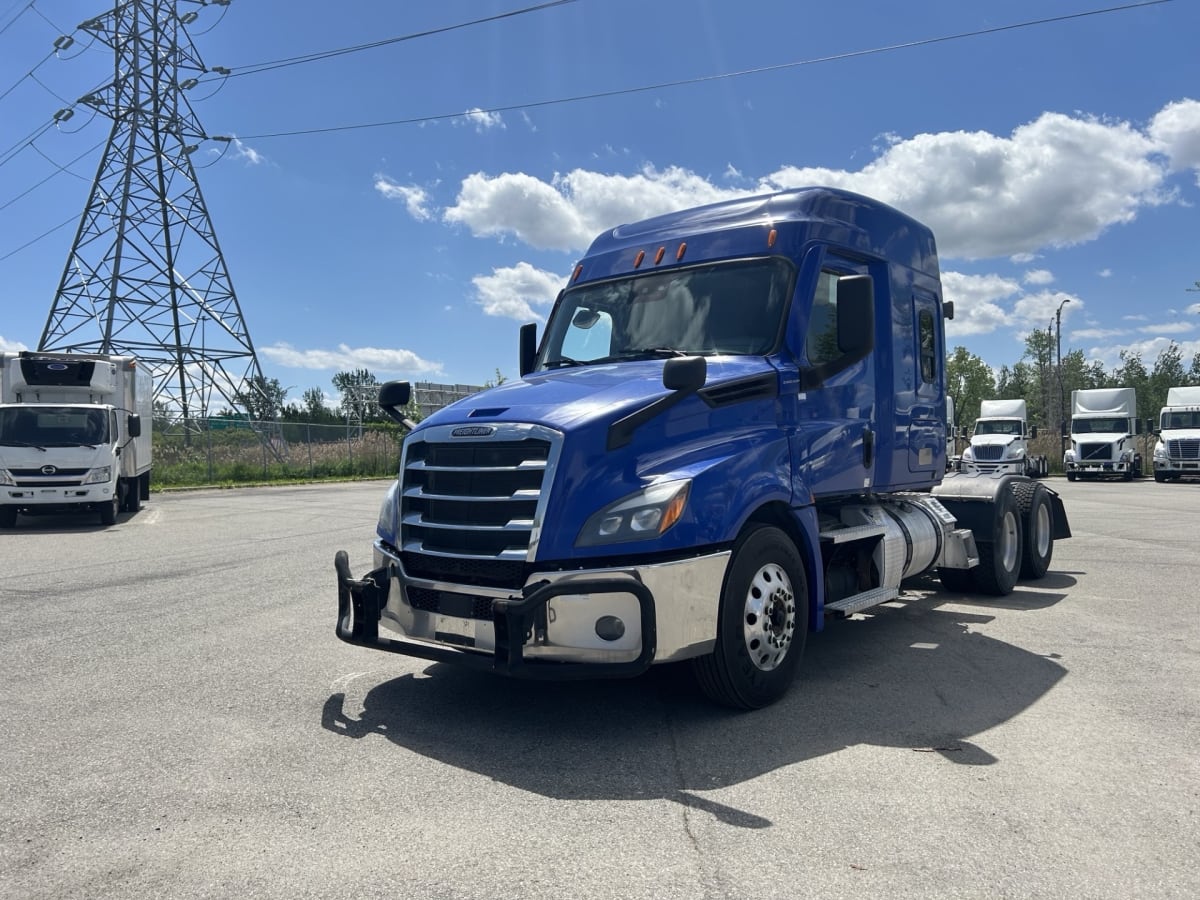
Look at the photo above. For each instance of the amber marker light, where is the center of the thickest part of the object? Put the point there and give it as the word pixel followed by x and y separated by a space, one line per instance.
pixel 578 272
pixel 673 511
pixel 771 235
pixel 682 250
pixel 637 260
pixel 659 255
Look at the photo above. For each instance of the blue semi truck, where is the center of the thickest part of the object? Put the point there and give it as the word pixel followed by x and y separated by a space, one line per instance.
pixel 733 426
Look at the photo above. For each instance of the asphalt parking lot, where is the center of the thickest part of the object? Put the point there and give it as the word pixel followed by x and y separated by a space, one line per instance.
pixel 179 720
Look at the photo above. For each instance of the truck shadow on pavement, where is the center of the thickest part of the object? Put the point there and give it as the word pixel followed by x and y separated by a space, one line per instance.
pixel 911 676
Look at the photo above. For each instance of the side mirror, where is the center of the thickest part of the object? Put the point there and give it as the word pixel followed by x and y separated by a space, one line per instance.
pixel 528 348
pixel 685 373
pixel 393 397
pixel 1032 432
pixel 1152 426
pixel 948 309
pixel 134 425
pixel 1138 426
pixel 855 329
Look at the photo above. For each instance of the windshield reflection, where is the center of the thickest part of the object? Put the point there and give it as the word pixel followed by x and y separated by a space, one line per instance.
pixel 53 426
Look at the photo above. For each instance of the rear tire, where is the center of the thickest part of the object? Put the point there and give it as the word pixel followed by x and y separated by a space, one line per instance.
pixel 762 623
pixel 1000 558
pixel 1037 524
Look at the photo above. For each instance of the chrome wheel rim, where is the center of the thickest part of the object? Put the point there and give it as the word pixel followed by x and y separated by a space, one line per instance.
pixel 1008 541
pixel 769 617
pixel 1042 528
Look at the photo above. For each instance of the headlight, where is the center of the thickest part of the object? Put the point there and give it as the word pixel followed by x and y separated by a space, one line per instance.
pixel 389 511
pixel 638 517
pixel 1126 455
pixel 1160 452
pixel 1014 452
pixel 1069 456
pixel 968 454
pixel 6 478
pixel 101 475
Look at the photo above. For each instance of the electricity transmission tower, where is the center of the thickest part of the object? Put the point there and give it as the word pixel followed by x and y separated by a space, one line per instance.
pixel 145 275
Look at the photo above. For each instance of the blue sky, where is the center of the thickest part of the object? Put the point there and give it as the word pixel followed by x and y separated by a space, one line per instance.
pixel 1056 161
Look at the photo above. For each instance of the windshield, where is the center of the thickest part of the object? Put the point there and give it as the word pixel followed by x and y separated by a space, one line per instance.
pixel 1099 426
pixel 726 308
pixel 999 426
pixel 53 426
pixel 1180 420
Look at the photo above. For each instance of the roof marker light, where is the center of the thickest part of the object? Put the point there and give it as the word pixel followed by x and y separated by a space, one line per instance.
pixel 682 250
pixel 637 260
pixel 578 272
pixel 659 255
pixel 771 235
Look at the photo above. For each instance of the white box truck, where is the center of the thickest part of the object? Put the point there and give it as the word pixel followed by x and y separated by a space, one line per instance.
pixel 1000 441
pixel 1177 452
pixel 74 434
pixel 1104 424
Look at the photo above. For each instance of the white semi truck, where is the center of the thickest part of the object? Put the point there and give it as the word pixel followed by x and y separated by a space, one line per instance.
pixel 1000 442
pixel 74 434
pixel 1104 425
pixel 1177 452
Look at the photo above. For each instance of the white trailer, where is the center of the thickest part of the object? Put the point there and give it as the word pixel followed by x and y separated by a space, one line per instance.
pixel 1104 424
pixel 74 434
pixel 1177 452
pixel 1000 442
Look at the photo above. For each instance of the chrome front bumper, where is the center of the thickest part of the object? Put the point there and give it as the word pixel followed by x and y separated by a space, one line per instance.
pixel 581 623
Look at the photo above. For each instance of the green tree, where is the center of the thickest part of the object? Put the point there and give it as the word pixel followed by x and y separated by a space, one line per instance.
pixel 262 397
pixel 1168 372
pixel 969 381
pixel 1131 373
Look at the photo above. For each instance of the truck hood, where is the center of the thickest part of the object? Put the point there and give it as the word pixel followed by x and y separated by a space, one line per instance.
pixel 993 440
pixel 1100 437
pixel 564 399
pixel 1180 434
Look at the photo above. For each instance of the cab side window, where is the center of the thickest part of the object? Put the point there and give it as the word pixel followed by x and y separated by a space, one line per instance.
pixel 927 350
pixel 820 341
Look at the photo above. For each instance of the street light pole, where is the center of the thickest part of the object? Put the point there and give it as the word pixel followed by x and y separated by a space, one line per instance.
pixel 1062 402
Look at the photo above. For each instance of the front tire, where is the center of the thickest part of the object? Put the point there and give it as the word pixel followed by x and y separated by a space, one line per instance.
pixel 108 511
pixel 1071 476
pixel 762 623
pixel 8 517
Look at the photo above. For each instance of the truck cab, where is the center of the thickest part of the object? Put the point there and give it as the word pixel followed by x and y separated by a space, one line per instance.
pixel 1104 426
pixel 733 425
pixel 1000 441
pixel 1177 451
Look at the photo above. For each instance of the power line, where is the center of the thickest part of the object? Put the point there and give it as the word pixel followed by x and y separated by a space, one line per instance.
pixel 597 95
pixel 255 68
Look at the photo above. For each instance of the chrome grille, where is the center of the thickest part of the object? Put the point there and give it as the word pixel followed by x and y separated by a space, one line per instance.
pixel 1184 448
pixel 1095 451
pixel 471 508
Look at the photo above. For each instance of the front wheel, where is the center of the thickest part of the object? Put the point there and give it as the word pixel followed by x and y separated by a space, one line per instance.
pixel 8 517
pixel 1070 476
pixel 1160 477
pixel 109 510
pixel 762 623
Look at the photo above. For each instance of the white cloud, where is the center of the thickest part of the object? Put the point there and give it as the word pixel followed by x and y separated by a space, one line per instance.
pixel 514 291
pixel 1039 277
pixel 1167 328
pixel 415 199
pixel 345 358
pixel 481 119
pixel 568 212
pixel 1176 128
pixel 1105 273
pixel 1136 318
pixel 247 154
pixel 1097 334
pixel 8 346
pixel 1148 350
pixel 1041 310
pixel 1194 309
pixel 1053 182
pixel 976 302
pixel 1020 259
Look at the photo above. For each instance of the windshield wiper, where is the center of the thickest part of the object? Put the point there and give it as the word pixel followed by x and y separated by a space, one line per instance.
pixel 650 353
pixel 563 362
pixel 22 444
